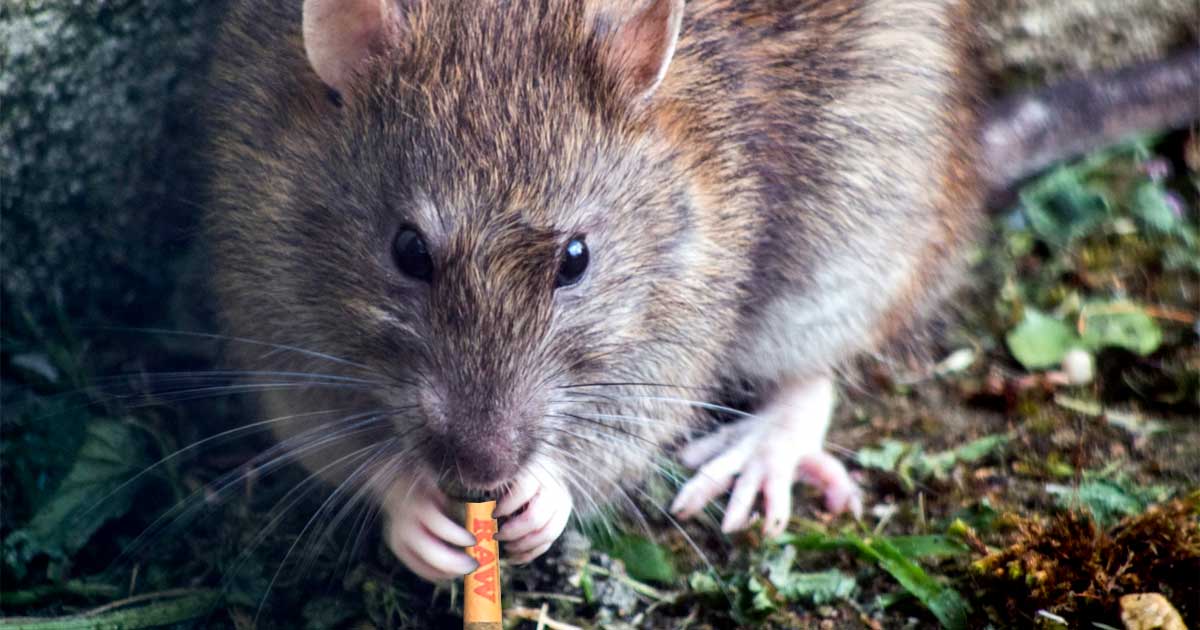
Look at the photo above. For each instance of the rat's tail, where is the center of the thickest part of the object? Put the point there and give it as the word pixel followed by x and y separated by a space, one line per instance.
pixel 1025 133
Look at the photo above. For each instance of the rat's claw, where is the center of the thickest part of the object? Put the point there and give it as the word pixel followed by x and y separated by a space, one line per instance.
pixel 427 541
pixel 544 516
pixel 826 472
pixel 764 455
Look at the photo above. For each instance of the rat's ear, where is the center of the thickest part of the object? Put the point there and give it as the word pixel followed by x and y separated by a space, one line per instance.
pixel 639 48
pixel 339 35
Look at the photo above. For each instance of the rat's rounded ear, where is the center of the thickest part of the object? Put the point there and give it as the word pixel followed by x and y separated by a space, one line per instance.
pixel 638 49
pixel 339 36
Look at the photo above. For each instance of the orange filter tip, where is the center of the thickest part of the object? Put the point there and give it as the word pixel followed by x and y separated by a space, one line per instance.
pixel 481 605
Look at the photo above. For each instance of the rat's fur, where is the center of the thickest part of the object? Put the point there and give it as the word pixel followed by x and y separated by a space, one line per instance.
pixel 799 189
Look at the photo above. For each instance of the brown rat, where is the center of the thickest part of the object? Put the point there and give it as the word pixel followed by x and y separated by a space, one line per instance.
pixel 531 240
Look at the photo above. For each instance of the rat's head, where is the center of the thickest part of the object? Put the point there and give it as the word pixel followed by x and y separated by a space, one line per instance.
pixel 496 210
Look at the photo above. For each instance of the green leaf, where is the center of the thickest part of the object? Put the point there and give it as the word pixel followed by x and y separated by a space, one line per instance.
pixel 112 452
pixel 1061 206
pixel 886 458
pixel 910 462
pixel 931 546
pixel 1108 500
pixel 811 541
pixel 1040 341
pixel 944 602
pixel 761 603
pixel 1150 205
pixel 587 585
pixel 883 601
pixel 704 583
pixel 1120 325
pixel 644 560
pixel 818 587
pixel 893 456
pixel 939 465
pixel 779 563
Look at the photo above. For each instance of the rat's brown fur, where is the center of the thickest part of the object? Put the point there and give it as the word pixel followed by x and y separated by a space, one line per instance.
pixel 799 189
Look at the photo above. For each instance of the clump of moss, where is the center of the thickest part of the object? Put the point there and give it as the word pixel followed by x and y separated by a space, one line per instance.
pixel 1069 566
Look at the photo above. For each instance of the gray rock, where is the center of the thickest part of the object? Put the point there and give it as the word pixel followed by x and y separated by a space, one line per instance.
pixel 1041 40
pixel 96 133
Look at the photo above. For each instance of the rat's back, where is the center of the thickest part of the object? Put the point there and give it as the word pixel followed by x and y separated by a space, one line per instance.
pixel 854 124
pixel 855 121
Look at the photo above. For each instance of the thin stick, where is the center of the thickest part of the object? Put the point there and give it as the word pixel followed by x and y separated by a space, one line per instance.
pixel 536 614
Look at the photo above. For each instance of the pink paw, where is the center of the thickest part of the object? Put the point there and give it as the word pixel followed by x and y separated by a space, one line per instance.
pixel 765 455
pixel 418 531
pixel 544 506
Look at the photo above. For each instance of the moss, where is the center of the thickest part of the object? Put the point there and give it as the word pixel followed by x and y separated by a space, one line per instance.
pixel 1070 567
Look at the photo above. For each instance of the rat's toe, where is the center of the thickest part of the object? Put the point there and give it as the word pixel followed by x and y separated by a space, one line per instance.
pixel 530 556
pixel 525 488
pixel 425 539
pixel 425 555
pixel 741 501
pixel 540 539
pixel 551 501
pixel 710 482
pixel 829 475
pixel 777 504
pixel 445 529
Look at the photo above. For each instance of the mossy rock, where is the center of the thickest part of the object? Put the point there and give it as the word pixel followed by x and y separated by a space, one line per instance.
pixel 98 129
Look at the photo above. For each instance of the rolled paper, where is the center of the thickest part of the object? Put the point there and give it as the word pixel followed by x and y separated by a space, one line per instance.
pixel 481 604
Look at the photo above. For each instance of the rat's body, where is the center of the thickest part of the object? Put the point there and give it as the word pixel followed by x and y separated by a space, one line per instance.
pixel 785 186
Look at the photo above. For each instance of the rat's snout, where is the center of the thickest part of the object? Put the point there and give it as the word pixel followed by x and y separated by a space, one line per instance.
pixel 481 460
pixel 476 447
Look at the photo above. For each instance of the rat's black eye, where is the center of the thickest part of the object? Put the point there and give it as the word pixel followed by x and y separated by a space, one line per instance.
pixel 574 263
pixel 411 255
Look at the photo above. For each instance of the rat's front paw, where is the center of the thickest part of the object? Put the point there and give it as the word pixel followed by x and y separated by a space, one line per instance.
pixel 418 531
pixel 766 454
pixel 542 505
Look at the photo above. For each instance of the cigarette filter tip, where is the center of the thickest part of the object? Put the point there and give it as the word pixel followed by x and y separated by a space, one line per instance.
pixel 481 603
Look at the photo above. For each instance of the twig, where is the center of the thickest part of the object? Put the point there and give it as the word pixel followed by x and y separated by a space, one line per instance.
pixel 138 599
pixel 180 605
pixel 562 597
pixel 74 587
pixel 538 615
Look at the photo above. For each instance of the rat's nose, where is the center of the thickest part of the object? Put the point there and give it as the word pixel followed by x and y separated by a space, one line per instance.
pixel 482 459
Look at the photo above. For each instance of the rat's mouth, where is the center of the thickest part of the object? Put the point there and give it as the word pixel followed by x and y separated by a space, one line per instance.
pixel 476 473
pixel 456 490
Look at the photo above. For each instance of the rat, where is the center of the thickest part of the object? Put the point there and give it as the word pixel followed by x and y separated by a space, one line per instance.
pixel 521 246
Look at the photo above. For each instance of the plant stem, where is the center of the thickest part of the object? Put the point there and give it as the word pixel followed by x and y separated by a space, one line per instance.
pixel 78 588
pixel 173 607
